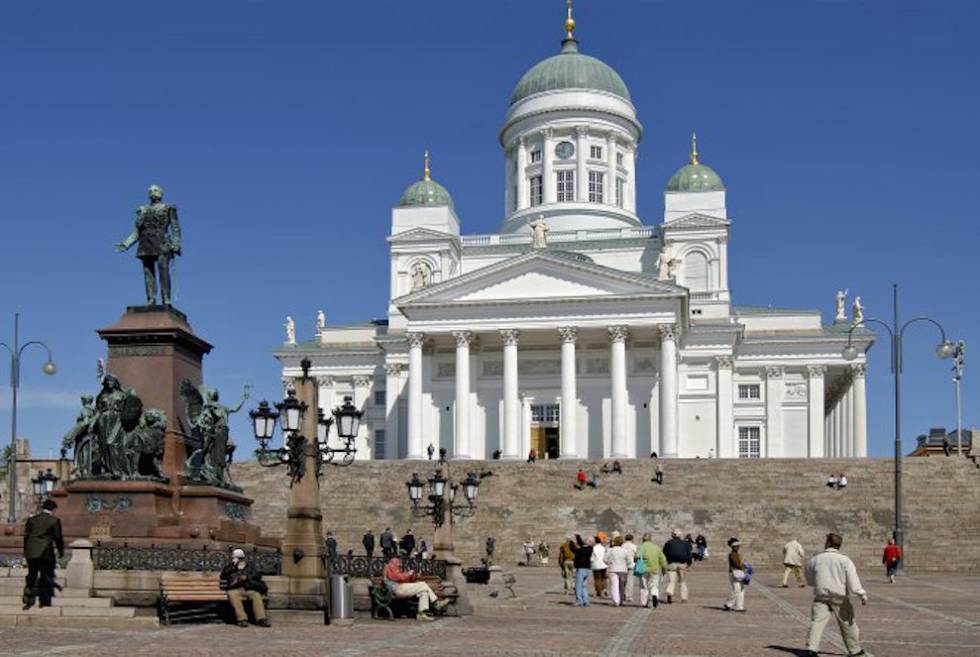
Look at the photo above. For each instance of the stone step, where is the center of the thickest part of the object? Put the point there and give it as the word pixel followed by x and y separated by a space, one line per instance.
pixel 61 601
pixel 137 622
pixel 88 612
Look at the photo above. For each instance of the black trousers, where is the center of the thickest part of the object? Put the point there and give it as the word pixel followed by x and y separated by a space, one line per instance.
pixel 40 579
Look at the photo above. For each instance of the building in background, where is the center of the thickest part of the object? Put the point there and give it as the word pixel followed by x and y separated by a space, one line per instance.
pixel 932 444
pixel 28 467
pixel 579 329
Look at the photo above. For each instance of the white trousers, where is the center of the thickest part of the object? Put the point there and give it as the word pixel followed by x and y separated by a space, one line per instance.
pixel 736 599
pixel 418 590
pixel 649 587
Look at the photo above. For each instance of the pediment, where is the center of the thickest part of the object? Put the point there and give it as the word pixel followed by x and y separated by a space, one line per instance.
pixel 539 275
pixel 421 234
pixel 698 220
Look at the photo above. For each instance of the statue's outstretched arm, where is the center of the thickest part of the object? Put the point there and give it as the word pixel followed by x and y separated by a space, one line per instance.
pixel 129 241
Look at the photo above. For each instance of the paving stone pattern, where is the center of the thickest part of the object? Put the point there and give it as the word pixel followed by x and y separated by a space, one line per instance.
pixel 934 614
pixel 764 502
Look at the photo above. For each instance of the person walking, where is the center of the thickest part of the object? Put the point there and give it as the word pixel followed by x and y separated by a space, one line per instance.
pixel 583 566
pixel 599 568
pixel 619 563
pixel 679 557
pixel 408 543
pixel 566 563
pixel 368 542
pixel 388 548
pixel 891 558
pixel 793 562
pixel 630 548
pixel 42 537
pixel 736 577
pixel 654 563
pixel 658 474
pixel 833 578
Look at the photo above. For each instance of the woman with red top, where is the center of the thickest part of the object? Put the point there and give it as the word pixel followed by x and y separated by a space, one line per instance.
pixel 893 554
pixel 403 584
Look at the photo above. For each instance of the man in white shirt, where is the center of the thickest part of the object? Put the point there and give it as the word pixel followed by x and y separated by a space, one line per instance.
pixel 793 562
pixel 833 578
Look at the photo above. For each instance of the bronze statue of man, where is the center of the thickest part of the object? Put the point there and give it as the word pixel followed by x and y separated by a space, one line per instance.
pixel 158 233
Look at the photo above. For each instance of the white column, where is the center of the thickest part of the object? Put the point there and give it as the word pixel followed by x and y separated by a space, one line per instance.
pixel 415 341
pixel 524 445
pixel 815 416
pixel 838 417
pixel 668 391
pixel 363 442
pixel 523 199
pixel 617 371
pixel 461 448
pixel 630 161
pixel 394 382
pixel 860 402
pixel 326 399
pixel 512 404
pixel 569 395
pixel 725 445
pixel 774 412
pixel 581 152
pixel 849 420
pixel 611 174
pixel 547 177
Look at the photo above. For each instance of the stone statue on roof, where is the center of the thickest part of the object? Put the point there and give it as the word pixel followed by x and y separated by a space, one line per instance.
pixel 663 263
pixel 841 315
pixel 321 322
pixel 290 327
pixel 539 233
pixel 858 311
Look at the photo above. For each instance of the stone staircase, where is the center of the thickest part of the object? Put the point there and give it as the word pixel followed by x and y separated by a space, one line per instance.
pixel 763 502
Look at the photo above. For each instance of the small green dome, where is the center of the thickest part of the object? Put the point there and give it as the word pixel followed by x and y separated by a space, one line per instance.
pixel 426 191
pixel 569 70
pixel 695 178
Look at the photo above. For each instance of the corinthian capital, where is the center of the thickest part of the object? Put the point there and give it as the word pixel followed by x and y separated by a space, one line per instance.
pixel 394 369
pixel 858 370
pixel 619 333
pixel 774 372
pixel 816 371
pixel 510 336
pixel 415 339
pixel 362 381
pixel 667 331
pixel 724 362
pixel 568 333
pixel 463 338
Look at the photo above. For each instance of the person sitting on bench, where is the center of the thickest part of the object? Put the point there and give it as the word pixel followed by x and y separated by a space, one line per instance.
pixel 243 582
pixel 403 584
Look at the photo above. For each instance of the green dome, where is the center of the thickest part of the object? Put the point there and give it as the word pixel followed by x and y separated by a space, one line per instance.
pixel 426 192
pixel 695 178
pixel 570 70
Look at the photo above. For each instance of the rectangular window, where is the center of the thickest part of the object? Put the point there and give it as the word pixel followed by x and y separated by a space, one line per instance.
pixel 748 442
pixel 595 186
pixel 620 191
pixel 536 190
pixel 749 391
pixel 619 159
pixel 379 397
pixel 566 185
pixel 595 152
pixel 545 412
pixel 535 156
pixel 379 444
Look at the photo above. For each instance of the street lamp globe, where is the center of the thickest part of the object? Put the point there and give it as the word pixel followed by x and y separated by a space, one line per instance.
pixel 263 422
pixel 945 350
pixel 49 368
pixel 414 489
pixel 323 424
pixel 471 487
pixel 850 352
pixel 50 479
pixel 291 412
pixel 38 484
pixel 348 419
pixel 452 492
pixel 437 484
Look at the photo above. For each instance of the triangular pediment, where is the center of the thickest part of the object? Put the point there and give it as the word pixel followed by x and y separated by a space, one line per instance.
pixel 539 275
pixel 421 234
pixel 697 220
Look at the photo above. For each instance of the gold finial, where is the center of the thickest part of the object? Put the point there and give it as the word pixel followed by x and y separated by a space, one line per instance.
pixel 426 174
pixel 569 22
pixel 694 148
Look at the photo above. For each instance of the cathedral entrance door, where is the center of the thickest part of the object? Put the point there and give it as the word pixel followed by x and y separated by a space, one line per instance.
pixel 545 432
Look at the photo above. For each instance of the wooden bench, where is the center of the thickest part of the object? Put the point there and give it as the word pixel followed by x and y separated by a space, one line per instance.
pixel 185 598
pixel 384 602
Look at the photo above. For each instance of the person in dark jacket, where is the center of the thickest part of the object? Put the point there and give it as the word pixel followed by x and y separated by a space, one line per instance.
pixel 408 543
pixel 243 582
pixel 368 543
pixel 388 547
pixel 42 536
pixel 582 549
pixel 331 546
pixel 679 558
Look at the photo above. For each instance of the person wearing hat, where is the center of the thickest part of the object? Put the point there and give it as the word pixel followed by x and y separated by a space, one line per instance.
pixel 736 574
pixel 679 558
pixel 243 582
pixel 42 536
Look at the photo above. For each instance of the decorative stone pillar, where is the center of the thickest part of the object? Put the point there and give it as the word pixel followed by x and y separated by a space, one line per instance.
pixel 617 371
pixel 81 569
pixel 630 158
pixel 569 394
pixel 774 413
pixel 848 445
pixel 815 416
pixel 521 175
pixel 415 341
pixel 394 383
pixel 611 173
pixel 860 401
pixel 462 443
pixel 512 404
pixel 362 391
pixel 725 443
pixel 668 390
pixel 581 173
pixel 547 177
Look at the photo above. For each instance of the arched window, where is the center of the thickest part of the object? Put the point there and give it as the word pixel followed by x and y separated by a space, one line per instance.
pixel 696 271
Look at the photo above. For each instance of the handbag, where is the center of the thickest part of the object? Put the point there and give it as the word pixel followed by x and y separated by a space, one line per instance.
pixel 640 567
pixel 738 575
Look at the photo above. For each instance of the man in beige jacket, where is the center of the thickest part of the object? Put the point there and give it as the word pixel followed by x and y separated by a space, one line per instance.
pixel 793 562
pixel 833 578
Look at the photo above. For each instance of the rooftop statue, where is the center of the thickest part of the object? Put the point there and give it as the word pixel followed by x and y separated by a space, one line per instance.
pixel 858 311
pixel 539 233
pixel 158 233
pixel 841 314
pixel 290 327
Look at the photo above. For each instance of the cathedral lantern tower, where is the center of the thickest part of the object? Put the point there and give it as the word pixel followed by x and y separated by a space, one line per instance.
pixel 569 140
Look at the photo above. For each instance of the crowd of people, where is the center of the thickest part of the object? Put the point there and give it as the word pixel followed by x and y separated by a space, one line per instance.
pixel 408 545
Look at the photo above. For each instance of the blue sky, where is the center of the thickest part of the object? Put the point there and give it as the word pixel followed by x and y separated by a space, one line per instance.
pixel 285 131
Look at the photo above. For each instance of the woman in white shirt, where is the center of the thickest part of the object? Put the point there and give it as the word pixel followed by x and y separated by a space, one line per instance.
pixel 599 568
pixel 619 562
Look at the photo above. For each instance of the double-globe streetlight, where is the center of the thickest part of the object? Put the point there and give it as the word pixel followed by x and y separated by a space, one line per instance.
pixel 945 349
pixel 43 484
pixel 442 494
pixel 48 368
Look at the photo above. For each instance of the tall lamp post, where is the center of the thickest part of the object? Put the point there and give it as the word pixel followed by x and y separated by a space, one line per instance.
pixel 945 349
pixel 48 368
pixel 959 350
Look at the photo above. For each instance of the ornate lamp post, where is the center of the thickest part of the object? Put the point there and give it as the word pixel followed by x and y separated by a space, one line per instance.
pixel 945 349
pixel 43 484
pixel 442 495
pixel 48 368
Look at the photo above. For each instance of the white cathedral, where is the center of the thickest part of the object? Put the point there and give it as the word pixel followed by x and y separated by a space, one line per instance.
pixel 579 331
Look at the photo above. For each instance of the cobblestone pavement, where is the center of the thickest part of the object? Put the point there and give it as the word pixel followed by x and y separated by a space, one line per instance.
pixel 932 615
